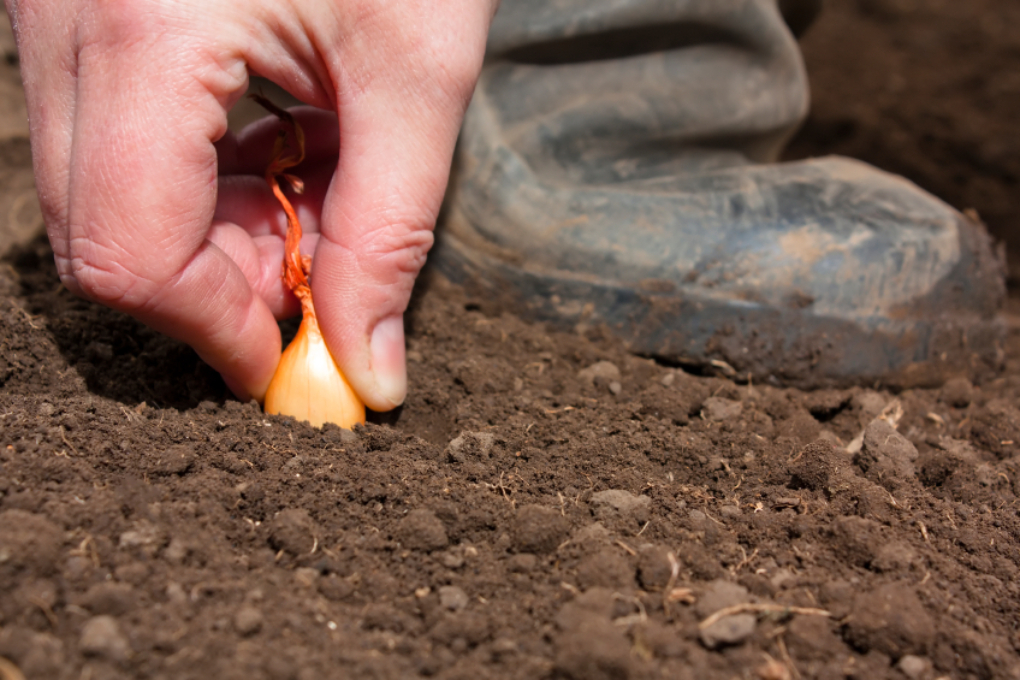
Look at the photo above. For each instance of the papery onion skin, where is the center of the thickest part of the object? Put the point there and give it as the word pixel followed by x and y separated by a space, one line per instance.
pixel 308 384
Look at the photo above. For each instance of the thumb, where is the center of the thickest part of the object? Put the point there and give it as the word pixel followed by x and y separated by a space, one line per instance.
pixel 398 133
pixel 376 230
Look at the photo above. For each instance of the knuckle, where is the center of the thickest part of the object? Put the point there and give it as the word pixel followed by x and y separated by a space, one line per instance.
pixel 101 278
pixel 458 80
pixel 458 55
pixel 98 283
pixel 452 68
pixel 66 274
pixel 403 245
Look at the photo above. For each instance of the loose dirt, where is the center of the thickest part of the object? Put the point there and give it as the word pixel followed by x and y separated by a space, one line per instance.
pixel 545 505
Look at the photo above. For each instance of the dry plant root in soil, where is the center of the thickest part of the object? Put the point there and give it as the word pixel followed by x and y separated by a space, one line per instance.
pixel 308 384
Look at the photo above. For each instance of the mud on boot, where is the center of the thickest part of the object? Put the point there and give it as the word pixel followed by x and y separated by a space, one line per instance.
pixel 617 167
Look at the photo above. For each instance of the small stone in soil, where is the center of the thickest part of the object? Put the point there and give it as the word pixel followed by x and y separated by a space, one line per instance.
pixel 247 621
pixel 293 530
pixel 144 535
pixel 654 568
pixel 538 529
pixel 593 534
pixel 594 650
pixel 996 428
pixel 422 530
pixel 461 627
pixel 110 598
pixel 503 646
pixel 294 464
pixel 175 594
pixel 729 630
pixel 837 596
pixel 176 552
pixel 606 568
pixel 45 657
pixel 914 667
pixel 452 560
pixel 891 620
pixel 101 636
pixel 895 556
pixel 28 540
pixel 601 372
pixel 718 410
pixel 958 392
pixel 306 577
pixel 661 640
pixel 855 539
pixel 334 588
pixel 811 638
pixel 720 594
pixel 521 563
pixel 615 503
pixel 815 465
pixel 77 568
pixel 453 598
pixel 886 457
pixel 595 602
pixel 869 403
pixel 176 460
pixel 475 445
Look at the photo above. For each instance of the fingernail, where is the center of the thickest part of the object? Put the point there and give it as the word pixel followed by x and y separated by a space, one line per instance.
pixel 389 366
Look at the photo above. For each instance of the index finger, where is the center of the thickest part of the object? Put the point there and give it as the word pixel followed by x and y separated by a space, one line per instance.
pixel 142 191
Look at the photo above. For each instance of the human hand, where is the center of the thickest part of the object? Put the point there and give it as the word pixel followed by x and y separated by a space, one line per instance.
pixel 127 107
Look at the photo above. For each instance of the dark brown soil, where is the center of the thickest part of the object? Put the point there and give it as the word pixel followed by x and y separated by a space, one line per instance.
pixel 545 505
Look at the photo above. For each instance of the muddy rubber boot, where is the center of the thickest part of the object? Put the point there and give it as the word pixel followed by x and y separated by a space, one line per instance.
pixel 617 167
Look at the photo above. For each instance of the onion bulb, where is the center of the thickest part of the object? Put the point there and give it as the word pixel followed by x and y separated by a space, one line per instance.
pixel 308 383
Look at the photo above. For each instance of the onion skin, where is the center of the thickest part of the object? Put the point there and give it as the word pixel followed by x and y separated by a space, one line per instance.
pixel 308 384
